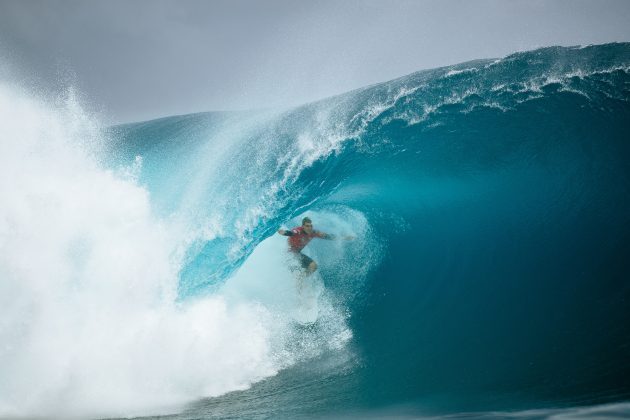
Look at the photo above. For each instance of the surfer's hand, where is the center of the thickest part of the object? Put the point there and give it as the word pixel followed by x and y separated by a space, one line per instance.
pixel 281 231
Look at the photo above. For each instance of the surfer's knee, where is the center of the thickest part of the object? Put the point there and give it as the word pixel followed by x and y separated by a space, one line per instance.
pixel 312 267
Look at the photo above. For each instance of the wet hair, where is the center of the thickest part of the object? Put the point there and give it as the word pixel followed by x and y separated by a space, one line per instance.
pixel 306 220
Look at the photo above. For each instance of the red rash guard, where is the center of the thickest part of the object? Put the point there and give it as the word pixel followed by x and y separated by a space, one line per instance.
pixel 298 239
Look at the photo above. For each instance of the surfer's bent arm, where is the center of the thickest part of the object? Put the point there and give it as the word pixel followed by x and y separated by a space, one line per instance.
pixel 328 236
pixel 286 232
pixel 332 237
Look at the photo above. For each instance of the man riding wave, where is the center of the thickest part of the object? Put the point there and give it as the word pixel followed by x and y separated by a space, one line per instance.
pixel 300 236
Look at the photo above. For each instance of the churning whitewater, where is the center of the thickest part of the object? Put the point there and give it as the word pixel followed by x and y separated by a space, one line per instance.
pixel 92 324
pixel 140 269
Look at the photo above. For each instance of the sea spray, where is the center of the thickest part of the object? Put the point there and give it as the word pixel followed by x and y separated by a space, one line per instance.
pixel 90 321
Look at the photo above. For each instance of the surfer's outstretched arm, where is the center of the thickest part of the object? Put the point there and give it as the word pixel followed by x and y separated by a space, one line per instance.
pixel 332 237
pixel 285 232
pixel 328 236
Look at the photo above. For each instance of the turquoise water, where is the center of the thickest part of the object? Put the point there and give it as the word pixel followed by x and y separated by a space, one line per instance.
pixel 490 202
pixel 496 200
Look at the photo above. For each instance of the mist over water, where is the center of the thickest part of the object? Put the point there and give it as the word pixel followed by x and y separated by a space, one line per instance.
pixel 91 324
pixel 140 271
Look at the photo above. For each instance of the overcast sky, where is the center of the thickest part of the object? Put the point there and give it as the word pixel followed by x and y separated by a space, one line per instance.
pixel 140 59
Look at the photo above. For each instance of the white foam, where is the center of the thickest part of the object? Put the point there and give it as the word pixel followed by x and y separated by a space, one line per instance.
pixel 451 73
pixel 378 107
pixel 89 324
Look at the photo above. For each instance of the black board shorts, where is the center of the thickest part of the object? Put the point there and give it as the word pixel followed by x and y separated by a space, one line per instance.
pixel 304 260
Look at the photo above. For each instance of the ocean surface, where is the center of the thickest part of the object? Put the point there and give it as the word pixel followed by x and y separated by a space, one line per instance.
pixel 489 275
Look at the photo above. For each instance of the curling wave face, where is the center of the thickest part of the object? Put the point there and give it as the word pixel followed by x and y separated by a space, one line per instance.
pixel 490 204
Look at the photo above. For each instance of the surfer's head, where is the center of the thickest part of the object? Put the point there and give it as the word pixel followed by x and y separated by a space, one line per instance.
pixel 307 224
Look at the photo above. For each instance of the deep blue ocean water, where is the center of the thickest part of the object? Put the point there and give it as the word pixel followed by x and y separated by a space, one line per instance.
pixel 491 269
pixel 489 275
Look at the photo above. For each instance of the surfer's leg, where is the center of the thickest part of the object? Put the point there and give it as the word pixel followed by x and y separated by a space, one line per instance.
pixel 311 267
pixel 308 264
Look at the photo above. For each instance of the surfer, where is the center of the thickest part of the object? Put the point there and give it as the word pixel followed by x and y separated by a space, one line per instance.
pixel 300 236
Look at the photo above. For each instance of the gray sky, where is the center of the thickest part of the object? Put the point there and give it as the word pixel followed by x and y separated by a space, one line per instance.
pixel 140 59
